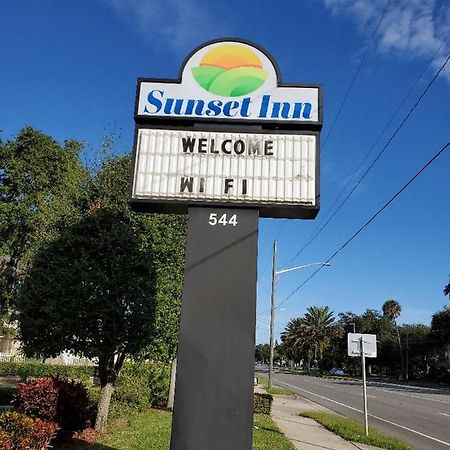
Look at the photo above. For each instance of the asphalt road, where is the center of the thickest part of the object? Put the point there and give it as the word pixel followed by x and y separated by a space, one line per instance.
pixel 417 415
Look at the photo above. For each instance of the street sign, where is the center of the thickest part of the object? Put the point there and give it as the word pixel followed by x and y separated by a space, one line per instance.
pixel 354 345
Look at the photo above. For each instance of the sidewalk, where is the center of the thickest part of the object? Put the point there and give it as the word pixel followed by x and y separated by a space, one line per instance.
pixel 305 433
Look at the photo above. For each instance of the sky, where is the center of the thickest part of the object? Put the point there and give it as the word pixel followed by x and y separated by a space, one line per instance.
pixel 69 69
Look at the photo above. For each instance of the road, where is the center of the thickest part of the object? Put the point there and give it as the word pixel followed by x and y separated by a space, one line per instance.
pixel 417 415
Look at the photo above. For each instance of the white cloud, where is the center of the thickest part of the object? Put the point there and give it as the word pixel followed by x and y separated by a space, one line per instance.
pixel 410 28
pixel 173 23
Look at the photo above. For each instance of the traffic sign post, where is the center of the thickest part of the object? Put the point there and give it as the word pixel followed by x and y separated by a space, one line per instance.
pixel 365 346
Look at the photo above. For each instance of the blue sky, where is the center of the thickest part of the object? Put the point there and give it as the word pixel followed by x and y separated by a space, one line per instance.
pixel 70 69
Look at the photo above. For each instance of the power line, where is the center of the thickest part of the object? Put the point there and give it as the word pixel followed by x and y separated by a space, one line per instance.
pixel 347 93
pixel 380 153
pixel 374 216
pixel 355 76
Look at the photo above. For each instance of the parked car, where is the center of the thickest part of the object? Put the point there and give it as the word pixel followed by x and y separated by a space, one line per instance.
pixel 336 371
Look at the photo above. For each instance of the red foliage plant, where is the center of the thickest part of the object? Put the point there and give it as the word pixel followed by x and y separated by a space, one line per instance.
pixel 58 399
pixel 20 432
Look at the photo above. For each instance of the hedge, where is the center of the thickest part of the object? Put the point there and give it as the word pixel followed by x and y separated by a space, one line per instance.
pixel 30 369
pixel 262 403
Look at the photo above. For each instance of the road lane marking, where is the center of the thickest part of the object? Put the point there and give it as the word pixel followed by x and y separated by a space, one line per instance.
pixel 370 415
pixel 412 396
pixel 447 415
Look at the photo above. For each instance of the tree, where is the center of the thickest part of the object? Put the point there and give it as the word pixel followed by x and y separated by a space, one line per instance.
pixel 312 334
pixel 392 310
pixel 440 329
pixel 447 290
pixel 165 235
pixel 296 342
pixel 90 292
pixel 42 190
pixel 108 285
pixel 262 353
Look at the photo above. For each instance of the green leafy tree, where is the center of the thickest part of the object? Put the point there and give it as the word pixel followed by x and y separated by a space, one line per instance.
pixel 392 310
pixel 109 287
pixel 90 292
pixel 165 236
pixel 440 329
pixel 447 290
pixel 42 190
pixel 262 353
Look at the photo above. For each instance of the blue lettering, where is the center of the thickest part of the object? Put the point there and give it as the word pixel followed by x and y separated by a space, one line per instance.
pixel 264 106
pixel 244 108
pixel 214 108
pixel 154 101
pixel 228 107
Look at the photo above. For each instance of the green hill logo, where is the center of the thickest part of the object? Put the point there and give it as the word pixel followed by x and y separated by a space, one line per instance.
pixel 230 70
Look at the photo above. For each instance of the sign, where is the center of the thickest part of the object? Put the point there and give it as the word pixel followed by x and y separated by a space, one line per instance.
pixel 229 81
pixel 261 170
pixel 354 345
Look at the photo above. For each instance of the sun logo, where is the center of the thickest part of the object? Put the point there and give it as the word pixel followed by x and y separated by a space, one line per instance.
pixel 230 70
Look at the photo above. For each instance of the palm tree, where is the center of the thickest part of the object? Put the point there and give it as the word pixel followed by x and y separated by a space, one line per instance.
pixel 321 326
pixel 392 310
pixel 312 334
pixel 296 341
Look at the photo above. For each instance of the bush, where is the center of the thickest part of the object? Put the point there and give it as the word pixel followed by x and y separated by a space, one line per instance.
pixel 141 385
pixel 6 395
pixel 58 399
pixel 37 398
pixel 262 403
pixel 28 369
pixel 20 432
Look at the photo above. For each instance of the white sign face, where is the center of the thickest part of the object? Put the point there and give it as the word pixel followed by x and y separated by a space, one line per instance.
pixel 223 167
pixel 229 81
pixel 354 344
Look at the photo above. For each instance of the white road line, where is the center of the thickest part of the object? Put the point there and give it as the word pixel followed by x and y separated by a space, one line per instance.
pixel 370 415
pixel 411 395
pixel 447 415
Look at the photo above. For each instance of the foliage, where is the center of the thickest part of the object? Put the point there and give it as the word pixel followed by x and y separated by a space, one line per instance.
pixel 7 394
pixel 57 399
pixel 142 385
pixel 354 431
pixel 164 236
pixel 262 403
pixel 440 325
pixel 95 287
pixel 262 353
pixel 447 290
pixel 28 369
pixel 42 190
pixel 37 398
pixel 311 335
pixel 23 433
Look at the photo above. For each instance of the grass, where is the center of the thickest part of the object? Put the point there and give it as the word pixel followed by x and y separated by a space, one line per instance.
pixel 355 432
pixel 275 389
pixel 151 430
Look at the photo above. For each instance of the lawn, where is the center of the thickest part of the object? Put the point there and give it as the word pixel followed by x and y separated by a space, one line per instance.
pixel 151 430
pixel 354 431
pixel 263 382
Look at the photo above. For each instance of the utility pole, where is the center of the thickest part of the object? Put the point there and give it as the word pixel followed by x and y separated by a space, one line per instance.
pixel 272 312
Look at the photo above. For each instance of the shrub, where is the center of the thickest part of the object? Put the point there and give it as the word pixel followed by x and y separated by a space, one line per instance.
pixel 141 385
pixel 6 395
pixel 29 369
pixel 262 403
pixel 37 398
pixel 20 432
pixel 58 399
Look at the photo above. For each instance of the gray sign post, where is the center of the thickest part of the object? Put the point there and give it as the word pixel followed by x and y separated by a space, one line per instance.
pixel 214 386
